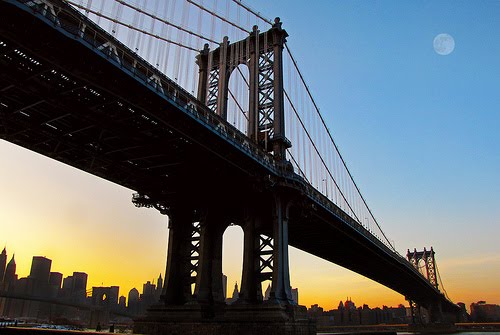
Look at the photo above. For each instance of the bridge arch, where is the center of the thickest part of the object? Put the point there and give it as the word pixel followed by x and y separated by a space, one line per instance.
pixel 239 97
pixel 232 262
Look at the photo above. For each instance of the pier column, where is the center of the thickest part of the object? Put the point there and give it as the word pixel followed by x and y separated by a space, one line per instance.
pixel 251 289
pixel 209 288
pixel 435 312
pixel 280 289
pixel 177 289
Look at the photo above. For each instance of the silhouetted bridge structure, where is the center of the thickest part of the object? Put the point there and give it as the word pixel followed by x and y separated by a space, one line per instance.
pixel 73 92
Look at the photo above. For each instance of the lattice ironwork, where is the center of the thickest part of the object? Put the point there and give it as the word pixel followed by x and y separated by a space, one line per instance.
pixel 266 251
pixel 428 257
pixel 262 53
pixel 266 97
pixel 213 89
pixel 415 313
pixel 194 254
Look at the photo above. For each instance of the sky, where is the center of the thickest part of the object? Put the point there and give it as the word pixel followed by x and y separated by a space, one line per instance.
pixel 418 130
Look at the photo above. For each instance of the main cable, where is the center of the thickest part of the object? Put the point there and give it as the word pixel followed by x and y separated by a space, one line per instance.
pixel 217 16
pixel 333 142
pixel 248 9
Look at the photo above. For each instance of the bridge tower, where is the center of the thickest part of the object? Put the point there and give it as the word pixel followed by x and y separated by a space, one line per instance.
pixel 262 53
pixel 414 257
pixel 428 314
pixel 196 230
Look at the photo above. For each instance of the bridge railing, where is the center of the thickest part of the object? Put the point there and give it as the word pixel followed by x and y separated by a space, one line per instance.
pixel 78 26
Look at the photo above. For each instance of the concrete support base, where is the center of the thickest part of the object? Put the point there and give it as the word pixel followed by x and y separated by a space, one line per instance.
pixel 236 319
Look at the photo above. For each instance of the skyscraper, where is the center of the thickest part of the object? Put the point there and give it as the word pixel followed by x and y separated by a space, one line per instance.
pixel 3 264
pixel 159 283
pixel 55 279
pixel 224 286
pixel 10 276
pixel 80 283
pixel 159 288
pixel 133 302
pixel 133 297
pixel 40 269
pixel 75 286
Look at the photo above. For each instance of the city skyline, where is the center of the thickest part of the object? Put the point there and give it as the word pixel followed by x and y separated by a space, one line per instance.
pixel 41 266
pixel 418 131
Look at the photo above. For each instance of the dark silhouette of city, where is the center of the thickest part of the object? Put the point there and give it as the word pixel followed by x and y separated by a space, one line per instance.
pixel 46 296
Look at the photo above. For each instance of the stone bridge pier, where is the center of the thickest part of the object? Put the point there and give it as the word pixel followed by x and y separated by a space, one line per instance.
pixel 193 301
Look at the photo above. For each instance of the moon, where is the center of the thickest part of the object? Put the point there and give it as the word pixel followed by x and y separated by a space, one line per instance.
pixel 444 44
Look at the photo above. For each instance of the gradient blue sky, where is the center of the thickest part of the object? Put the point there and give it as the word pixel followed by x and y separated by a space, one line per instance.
pixel 419 131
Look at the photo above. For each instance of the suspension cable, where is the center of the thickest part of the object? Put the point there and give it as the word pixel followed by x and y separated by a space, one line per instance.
pixel 130 26
pixel 154 17
pixel 440 281
pixel 238 104
pixel 333 142
pixel 248 9
pixel 320 157
pixel 217 16
pixel 242 76
pixel 298 166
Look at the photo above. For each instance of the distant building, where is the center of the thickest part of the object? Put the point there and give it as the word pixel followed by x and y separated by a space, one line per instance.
pixel 7 306
pixel 122 302
pixel 315 311
pixel 80 284
pixel 148 296
pixel 40 269
pixel 295 295
pixel 224 286
pixel 483 312
pixel 348 315
pixel 159 288
pixel 235 295
pixel 74 287
pixel 133 301
pixel 3 264
pixel 349 304
pixel 10 276
pixel 55 279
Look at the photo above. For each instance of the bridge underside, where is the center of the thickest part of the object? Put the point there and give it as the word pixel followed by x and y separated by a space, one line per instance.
pixel 60 99
pixel 63 100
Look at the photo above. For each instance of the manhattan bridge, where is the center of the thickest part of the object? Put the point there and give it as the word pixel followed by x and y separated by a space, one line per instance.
pixel 200 108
